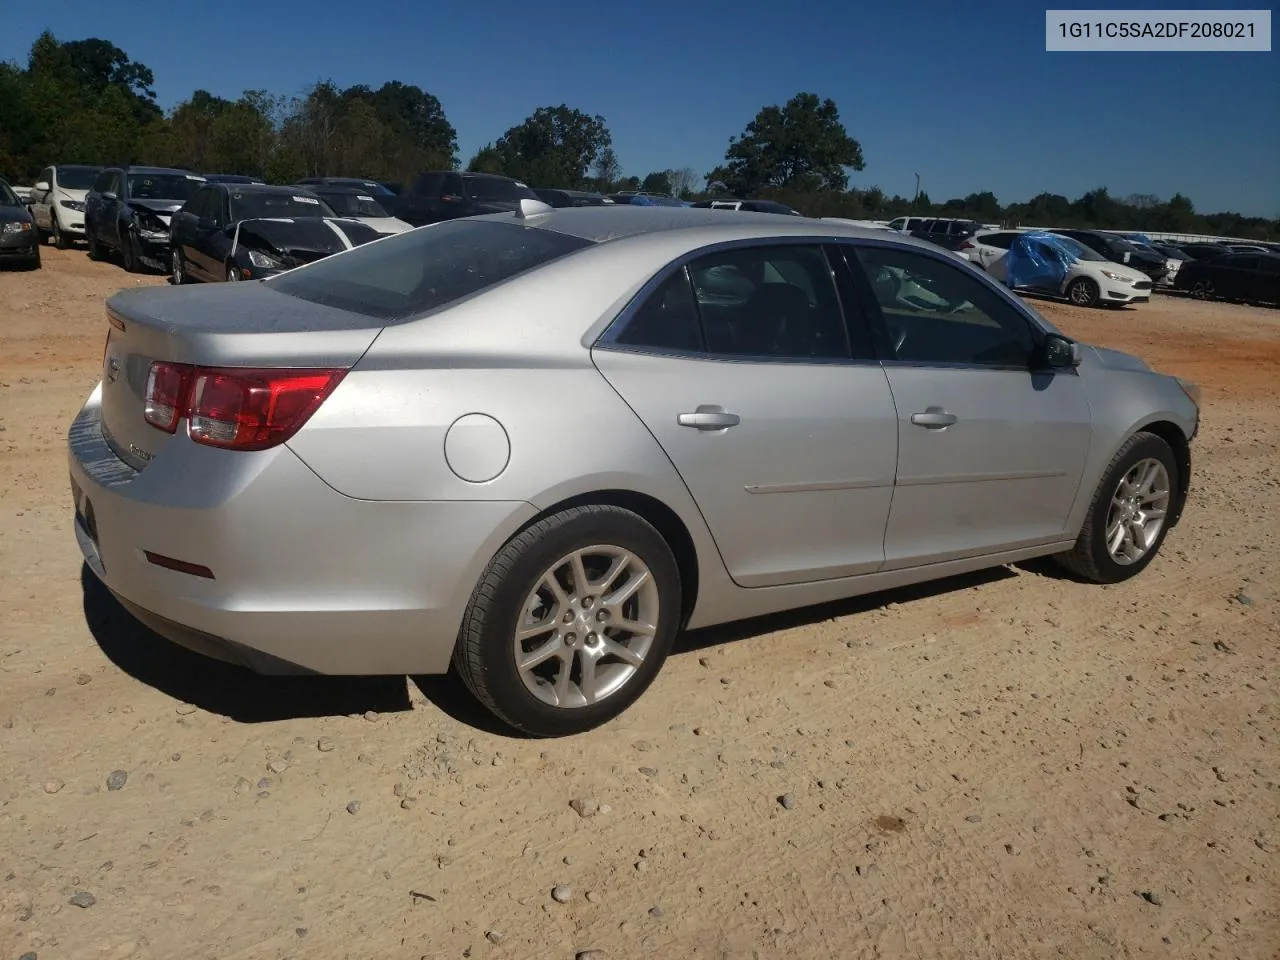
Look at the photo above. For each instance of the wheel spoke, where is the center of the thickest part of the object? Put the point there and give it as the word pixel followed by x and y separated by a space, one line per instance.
pixel 1115 536
pixel 587 682
pixel 622 652
pixel 616 569
pixel 581 586
pixel 540 655
pixel 532 630
pixel 635 627
pixel 628 589
pixel 551 583
pixel 565 676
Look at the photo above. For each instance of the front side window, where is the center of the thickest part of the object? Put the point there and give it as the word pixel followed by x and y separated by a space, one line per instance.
pixel 198 206
pixel 412 273
pixel 937 313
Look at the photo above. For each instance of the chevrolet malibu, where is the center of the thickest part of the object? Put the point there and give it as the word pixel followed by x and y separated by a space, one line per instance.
pixel 538 445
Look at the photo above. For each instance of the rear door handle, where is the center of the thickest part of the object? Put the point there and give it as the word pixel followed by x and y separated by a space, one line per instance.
pixel 934 418
pixel 708 417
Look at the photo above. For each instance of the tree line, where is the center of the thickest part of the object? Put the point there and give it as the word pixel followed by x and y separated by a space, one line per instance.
pixel 86 101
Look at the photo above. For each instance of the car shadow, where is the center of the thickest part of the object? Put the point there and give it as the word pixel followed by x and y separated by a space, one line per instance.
pixel 247 697
pixel 224 688
pixel 694 641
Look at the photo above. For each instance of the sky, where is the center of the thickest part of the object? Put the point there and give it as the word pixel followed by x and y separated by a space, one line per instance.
pixel 963 94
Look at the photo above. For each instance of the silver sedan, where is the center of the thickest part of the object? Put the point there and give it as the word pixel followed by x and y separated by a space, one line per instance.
pixel 539 445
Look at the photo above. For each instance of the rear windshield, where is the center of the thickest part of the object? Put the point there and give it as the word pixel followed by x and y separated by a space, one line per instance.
pixel 354 204
pixel 497 188
pixel 77 178
pixel 412 273
pixel 163 186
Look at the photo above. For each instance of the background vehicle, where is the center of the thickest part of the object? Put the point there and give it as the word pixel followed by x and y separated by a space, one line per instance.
pixel 1058 266
pixel 571 198
pixel 1119 250
pixel 1234 276
pixel 250 231
pixel 58 201
pixel 19 238
pixel 946 233
pixel 1204 251
pixel 354 204
pixel 351 183
pixel 230 178
pixel 750 206
pixel 787 422
pixel 128 210
pixel 906 224
pixel 446 195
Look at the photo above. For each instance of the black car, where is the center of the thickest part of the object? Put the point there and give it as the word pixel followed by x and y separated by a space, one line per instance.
pixel 945 232
pixel 571 198
pixel 446 195
pixel 1234 276
pixel 250 231
pixel 1119 250
pixel 128 210
pixel 230 178
pixel 349 183
pixel 19 238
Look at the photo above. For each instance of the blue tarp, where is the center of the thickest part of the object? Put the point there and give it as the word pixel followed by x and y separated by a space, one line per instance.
pixel 1039 260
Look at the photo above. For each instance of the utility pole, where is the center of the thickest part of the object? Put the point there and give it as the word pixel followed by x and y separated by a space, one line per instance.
pixel 917 196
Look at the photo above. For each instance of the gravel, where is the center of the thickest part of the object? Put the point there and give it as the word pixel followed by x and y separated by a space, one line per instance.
pixel 325 744
pixel 53 786
pixel 353 807
pixel 82 899
pixel 494 936
pixel 787 801
pixel 585 806
pixel 117 779
pixel 561 893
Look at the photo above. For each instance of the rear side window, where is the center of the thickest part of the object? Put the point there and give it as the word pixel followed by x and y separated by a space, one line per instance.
pixel 423 270
pixel 427 185
pixel 1001 240
pixel 667 320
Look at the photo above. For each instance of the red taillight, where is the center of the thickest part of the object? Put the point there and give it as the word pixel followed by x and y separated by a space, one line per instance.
pixel 235 408
pixel 166 394
pixel 967 246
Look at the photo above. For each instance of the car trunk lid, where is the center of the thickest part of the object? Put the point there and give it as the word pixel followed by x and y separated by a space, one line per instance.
pixel 231 325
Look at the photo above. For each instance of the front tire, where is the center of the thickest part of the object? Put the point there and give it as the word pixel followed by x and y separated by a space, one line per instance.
pixel 571 622
pixel 91 238
pixel 1083 292
pixel 178 267
pixel 130 255
pixel 1129 516
pixel 60 242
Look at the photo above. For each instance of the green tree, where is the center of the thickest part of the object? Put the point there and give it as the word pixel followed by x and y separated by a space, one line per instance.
pixel 555 147
pixel 657 182
pixel 801 145
pixel 488 159
pixel 607 170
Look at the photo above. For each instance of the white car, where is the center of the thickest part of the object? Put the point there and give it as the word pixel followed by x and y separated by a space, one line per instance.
pixel 57 201
pixel 906 224
pixel 351 204
pixel 1090 280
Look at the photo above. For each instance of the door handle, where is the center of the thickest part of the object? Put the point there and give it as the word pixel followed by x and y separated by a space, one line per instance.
pixel 708 417
pixel 934 418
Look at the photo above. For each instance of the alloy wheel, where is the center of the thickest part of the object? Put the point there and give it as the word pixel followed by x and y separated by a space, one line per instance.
pixel 1138 510
pixel 586 627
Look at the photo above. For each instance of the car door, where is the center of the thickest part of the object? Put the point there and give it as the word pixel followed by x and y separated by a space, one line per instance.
pixel 780 423
pixel 990 250
pixel 43 200
pixel 991 444
pixel 182 231
pixel 201 239
pixel 113 204
pixel 1238 277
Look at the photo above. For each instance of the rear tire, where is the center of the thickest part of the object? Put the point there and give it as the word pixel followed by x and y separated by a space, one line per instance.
pixel 579 629
pixel 1092 557
pixel 1203 290
pixel 1083 292
pixel 34 263
pixel 178 268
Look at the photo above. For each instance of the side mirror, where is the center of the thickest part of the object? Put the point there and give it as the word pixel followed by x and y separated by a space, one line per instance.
pixel 1060 353
pixel 110 194
pixel 43 186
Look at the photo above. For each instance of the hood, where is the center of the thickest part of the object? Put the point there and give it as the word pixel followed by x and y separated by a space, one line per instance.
pixel 303 239
pixel 385 225
pixel 14 215
pixel 168 207
pixel 66 193
pixel 1116 360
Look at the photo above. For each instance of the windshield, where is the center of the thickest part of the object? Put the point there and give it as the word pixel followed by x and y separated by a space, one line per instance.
pixel 354 205
pixel 77 178
pixel 497 188
pixel 1121 245
pixel 162 186
pixel 1079 250
pixel 7 197
pixel 253 205
pixel 412 273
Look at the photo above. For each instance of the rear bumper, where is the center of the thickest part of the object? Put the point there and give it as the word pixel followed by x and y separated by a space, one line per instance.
pixel 304 578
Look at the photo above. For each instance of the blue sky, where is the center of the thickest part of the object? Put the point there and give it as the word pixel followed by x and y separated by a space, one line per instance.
pixel 962 93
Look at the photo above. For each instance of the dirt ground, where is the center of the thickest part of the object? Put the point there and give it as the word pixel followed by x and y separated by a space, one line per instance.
pixel 998 766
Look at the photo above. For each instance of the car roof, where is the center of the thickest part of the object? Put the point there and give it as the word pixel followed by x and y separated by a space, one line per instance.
pixel 134 168
pixel 263 188
pixel 602 224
